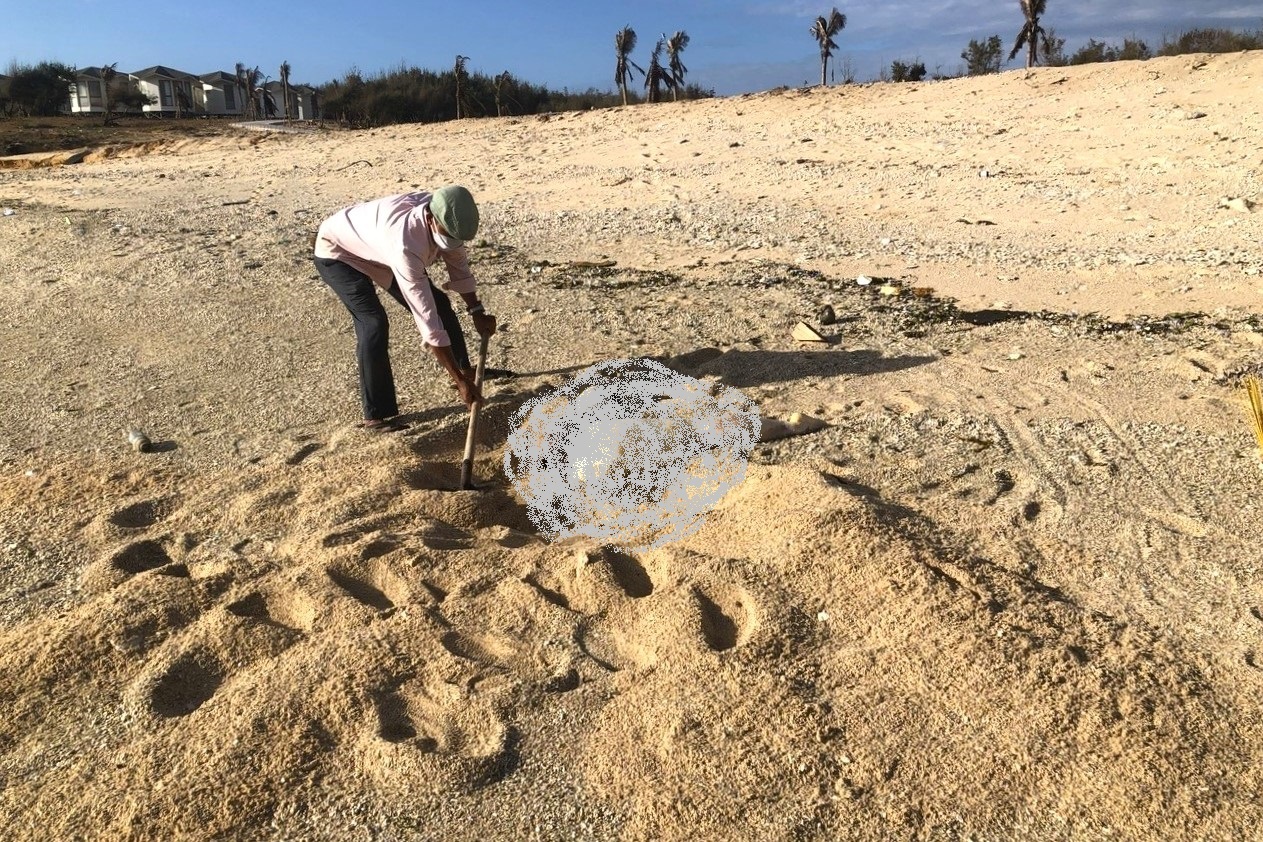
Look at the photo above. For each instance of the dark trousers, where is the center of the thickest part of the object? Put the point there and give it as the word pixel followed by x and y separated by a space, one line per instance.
pixel 372 332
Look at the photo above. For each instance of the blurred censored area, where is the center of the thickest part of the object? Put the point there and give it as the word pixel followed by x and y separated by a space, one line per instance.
pixel 629 453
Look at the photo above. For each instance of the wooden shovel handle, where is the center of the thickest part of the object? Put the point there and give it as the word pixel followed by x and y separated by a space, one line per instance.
pixel 471 435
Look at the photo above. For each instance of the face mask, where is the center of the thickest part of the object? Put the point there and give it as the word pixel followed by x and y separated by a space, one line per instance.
pixel 443 241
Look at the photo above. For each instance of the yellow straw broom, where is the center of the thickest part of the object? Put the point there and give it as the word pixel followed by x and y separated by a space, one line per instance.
pixel 1255 393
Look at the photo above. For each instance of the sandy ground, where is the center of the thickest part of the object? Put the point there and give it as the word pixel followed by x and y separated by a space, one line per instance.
pixel 1012 590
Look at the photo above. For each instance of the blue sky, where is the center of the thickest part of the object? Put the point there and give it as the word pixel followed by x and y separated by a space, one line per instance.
pixel 736 45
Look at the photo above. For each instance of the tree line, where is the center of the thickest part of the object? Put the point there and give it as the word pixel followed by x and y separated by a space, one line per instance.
pixel 43 90
pixel 1043 46
pixel 411 94
pixel 414 95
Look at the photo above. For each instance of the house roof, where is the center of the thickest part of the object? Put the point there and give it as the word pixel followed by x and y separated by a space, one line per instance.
pixel 159 71
pixel 277 87
pixel 89 72
pixel 218 76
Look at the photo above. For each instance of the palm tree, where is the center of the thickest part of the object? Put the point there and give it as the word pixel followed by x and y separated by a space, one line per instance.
pixel 460 74
pixel 824 30
pixel 252 79
pixel 266 99
pixel 624 43
pixel 108 73
pixel 285 86
pixel 241 90
pixel 657 75
pixel 1031 31
pixel 499 82
pixel 675 45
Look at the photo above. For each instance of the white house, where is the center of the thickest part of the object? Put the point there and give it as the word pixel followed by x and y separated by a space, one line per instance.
pixel 87 93
pixel 221 94
pixel 305 98
pixel 174 92
pixel 301 100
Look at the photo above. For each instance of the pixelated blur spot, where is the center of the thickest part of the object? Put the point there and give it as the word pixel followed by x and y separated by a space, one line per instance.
pixel 629 453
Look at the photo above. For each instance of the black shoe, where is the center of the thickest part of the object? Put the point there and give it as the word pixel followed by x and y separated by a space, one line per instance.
pixel 377 425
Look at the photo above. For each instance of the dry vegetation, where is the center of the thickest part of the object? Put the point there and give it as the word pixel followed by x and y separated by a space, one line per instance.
pixel 20 135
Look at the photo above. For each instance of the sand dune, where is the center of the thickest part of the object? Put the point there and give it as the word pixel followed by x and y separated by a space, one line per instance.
pixel 1011 590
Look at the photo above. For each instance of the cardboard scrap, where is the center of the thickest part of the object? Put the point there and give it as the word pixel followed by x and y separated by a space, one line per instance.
pixel 804 332
pixel 798 424
pixel 1239 204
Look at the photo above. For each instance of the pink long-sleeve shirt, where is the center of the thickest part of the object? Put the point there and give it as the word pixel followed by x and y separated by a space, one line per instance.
pixel 389 239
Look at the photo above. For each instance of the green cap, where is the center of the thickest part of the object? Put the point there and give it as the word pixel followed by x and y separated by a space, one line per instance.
pixel 455 210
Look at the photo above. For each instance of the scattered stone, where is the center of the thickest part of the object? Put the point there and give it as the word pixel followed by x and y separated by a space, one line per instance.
pixel 826 316
pixel 890 289
pixel 863 280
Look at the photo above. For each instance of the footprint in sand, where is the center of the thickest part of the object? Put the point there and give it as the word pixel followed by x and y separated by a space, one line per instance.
pixel 547 588
pixel 189 670
pixel 359 528
pixel 139 557
pixel 443 536
pixel 604 576
pixel 142 514
pixel 298 456
pixel 727 616
pixel 186 685
pixel 292 610
pixel 1019 495
pixel 371 583
pixel 428 733
pixel 131 559
pixel 481 649
pixel 630 622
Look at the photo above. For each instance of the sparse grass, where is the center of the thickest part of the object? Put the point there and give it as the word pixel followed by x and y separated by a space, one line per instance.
pixel 20 135
pixel 1211 41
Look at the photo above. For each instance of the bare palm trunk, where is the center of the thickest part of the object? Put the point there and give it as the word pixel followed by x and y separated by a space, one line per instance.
pixel 459 72
pixel 824 71
pixel 623 87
